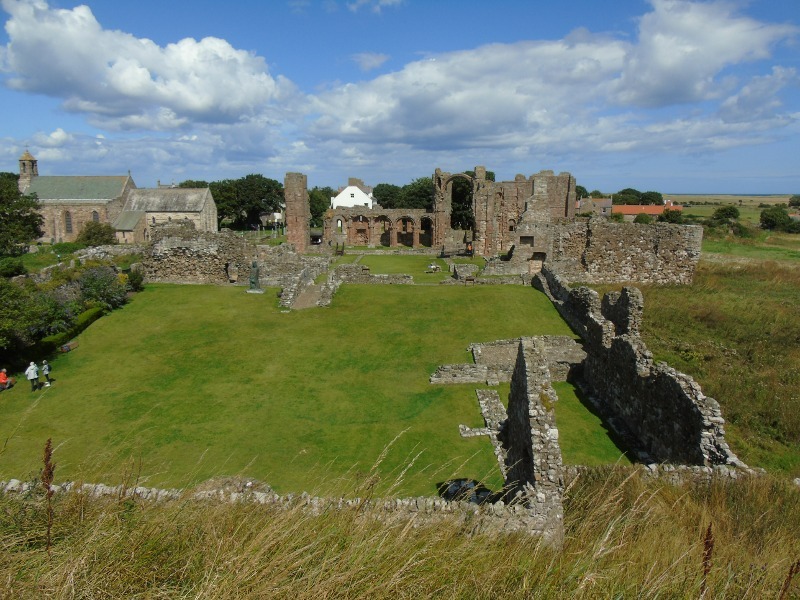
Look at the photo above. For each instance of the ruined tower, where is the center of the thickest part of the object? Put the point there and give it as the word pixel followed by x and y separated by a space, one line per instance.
pixel 298 211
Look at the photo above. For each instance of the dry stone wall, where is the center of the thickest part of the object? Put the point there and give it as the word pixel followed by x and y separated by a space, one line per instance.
pixel 181 254
pixel 667 412
pixel 599 251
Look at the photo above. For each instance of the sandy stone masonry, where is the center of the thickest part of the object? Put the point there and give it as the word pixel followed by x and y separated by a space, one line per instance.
pixel 667 412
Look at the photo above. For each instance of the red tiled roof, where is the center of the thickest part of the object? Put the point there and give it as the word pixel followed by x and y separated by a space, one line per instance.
pixel 646 209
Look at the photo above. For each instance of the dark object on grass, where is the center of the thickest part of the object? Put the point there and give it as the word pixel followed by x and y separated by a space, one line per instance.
pixel 465 490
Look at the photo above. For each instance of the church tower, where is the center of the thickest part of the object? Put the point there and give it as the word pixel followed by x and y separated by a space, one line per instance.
pixel 28 169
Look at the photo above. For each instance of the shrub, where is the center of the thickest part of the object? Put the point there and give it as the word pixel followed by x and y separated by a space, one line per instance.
pixel 775 217
pixel 100 286
pixel 136 280
pixel 671 216
pixel 10 267
pixel 725 213
pixel 67 247
pixel 97 234
pixel 616 218
pixel 643 218
pixel 794 201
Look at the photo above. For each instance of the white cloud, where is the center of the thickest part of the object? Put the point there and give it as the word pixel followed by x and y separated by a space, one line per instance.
pixel 684 46
pixel 583 92
pixel 122 81
pixel 368 61
pixel 373 5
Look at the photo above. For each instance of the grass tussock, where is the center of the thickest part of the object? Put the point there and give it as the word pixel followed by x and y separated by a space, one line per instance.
pixel 624 537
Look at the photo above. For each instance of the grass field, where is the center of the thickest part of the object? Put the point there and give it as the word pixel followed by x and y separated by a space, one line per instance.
pixel 193 382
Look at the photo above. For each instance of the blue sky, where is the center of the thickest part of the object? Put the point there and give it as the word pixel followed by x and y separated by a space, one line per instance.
pixel 667 95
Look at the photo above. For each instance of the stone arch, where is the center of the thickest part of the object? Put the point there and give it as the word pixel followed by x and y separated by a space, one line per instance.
pixel 426 231
pixel 407 232
pixel 382 227
pixel 359 231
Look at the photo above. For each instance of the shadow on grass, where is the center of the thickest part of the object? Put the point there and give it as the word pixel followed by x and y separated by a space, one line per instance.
pixel 625 441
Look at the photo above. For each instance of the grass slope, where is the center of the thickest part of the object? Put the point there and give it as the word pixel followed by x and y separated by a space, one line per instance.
pixel 192 382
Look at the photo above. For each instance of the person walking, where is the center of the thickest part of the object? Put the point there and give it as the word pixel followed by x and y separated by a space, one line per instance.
pixel 46 373
pixel 32 373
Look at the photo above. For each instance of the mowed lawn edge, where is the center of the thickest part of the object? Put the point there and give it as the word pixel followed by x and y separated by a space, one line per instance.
pixel 188 383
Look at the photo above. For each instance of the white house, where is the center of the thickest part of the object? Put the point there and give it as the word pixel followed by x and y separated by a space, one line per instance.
pixel 353 195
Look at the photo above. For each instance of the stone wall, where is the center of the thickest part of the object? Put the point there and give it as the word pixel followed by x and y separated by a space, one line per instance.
pixel 667 412
pixel 599 251
pixel 530 438
pixel 181 254
pixel 298 211
pixel 494 362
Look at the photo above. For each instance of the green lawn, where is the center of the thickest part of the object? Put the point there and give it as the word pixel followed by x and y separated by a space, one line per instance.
pixel 191 382
pixel 414 265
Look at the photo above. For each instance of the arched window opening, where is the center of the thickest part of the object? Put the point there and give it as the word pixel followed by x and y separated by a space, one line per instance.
pixel 68 222
pixel 95 216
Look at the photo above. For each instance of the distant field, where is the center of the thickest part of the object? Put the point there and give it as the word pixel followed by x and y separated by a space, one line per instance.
pixel 728 199
pixel 192 382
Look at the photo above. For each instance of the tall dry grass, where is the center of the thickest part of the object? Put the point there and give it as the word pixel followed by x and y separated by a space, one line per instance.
pixel 625 536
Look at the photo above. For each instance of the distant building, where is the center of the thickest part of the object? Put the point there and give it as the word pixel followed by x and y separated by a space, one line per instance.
pixel 354 194
pixel 67 203
pixel 597 206
pixel 629 211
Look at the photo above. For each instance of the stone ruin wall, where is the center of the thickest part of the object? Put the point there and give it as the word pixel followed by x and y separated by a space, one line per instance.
pixel 298 210
pixel 598 251
pixel 666 411
pixel 534 472
pixel 181 254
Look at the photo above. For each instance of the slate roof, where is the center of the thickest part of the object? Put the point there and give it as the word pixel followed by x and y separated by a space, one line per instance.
pixel 77 189
pixel 128 219
pixel 167 199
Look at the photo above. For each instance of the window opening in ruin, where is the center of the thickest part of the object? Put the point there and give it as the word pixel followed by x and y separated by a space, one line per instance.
pixel 339 225
pixel 154 220
pixel 405 232
pixel 512 225
pixel 68 222
pixel 426 232
pixel 526 240
pixel 95 216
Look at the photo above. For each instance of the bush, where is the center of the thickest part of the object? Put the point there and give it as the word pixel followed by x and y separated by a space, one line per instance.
pixel 11 267
pixel 671 216
pixel 97 234
pixel 616 218
pixel 100 286
pixel 67 247
pixel 794 201
pixel 136 280
pixel 643 218
pixel 775 217
pixel 726 213
pixel 51 343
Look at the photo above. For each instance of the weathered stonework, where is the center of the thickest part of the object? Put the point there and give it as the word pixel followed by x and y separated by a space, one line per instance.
pixel 530 437
pixel 667 412
pixel 298 211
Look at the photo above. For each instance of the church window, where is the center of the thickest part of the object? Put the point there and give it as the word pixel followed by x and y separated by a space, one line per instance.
pixel 68 222
pixel 95 216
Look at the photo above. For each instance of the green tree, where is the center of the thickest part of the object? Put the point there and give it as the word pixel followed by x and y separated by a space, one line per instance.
pixel 651 198
pixel 418 194
pixel 643 218
pixel 671 216
pixel 794 201
pixel 775 217
pixel 193 183
pixel 387 194
pixel 20 221
pixel 225 197
pixel 97 234
pixel 627 196
pixel 319 201
pixel 257 194
pixel 597 194
pixel 724 214
pixel 580 191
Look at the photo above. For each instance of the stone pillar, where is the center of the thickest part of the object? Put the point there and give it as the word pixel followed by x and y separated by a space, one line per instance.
pixel 415 237
pixel 530 436
pixel 298 211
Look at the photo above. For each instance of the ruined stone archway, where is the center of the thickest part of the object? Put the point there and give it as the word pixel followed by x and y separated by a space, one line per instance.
pixel 426 232
pixel 382 231
pixel 407 232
